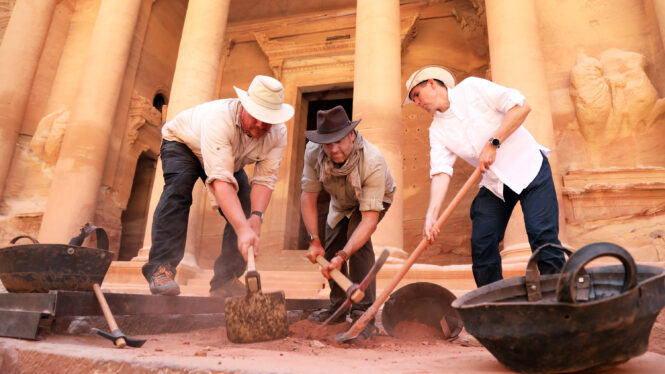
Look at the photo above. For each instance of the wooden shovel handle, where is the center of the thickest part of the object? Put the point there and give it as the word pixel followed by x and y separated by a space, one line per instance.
pixel 341 280
pixel 120 342
pixel 251 265
pixel 362 322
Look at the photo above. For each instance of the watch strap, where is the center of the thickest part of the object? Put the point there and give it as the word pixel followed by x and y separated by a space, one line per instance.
pixel 257 213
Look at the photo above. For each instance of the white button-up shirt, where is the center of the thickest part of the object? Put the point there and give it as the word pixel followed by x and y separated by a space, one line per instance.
pixel 213 132
pixel 477 108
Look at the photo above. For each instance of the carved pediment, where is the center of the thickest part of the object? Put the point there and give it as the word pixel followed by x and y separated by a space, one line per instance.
pixel 337 47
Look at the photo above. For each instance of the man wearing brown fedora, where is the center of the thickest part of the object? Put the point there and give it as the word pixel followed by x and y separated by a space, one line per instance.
pixel 214 141
pixel 481 122
pixel 355 174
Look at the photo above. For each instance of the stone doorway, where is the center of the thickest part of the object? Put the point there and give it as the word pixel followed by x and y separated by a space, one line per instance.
pixel 315 101
pixel 135 216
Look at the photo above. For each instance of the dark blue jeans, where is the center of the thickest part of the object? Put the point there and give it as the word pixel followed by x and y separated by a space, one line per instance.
pixel 490 215
pixel 169 226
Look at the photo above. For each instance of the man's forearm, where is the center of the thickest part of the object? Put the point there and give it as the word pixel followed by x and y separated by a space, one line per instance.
pixel 363 232
pixel 309 213
pixel 513 119
pixel 260 197
pixel 438 190
pixel 227 199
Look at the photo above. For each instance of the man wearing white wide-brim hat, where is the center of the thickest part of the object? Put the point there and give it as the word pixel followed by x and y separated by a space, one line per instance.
pixel 214 141
pixel 481 122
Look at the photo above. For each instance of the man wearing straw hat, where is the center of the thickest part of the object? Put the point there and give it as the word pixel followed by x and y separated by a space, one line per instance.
pixel 355 174
pixel 481 122
pixel 214 141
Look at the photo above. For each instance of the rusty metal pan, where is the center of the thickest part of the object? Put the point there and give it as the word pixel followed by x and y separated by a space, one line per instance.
pixel 42 267
pixel 577 320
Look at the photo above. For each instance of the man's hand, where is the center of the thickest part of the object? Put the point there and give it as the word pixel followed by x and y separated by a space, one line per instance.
pixel 486 157
pixel 315 249
pixel 335 263
pixel 247 237
pixel 430 230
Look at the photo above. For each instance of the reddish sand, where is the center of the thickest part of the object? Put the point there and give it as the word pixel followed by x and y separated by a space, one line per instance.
pixel 307 349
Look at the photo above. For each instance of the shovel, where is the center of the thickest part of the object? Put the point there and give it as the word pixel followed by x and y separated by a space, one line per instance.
pixel 255 317
pixel 364 320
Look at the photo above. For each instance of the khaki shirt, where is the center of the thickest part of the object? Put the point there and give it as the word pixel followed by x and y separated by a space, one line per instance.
pixel 212 131
pixel 376 183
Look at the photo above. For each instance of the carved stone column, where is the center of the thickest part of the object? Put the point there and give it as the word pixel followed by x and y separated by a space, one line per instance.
pixel 659 7
pixel 376 98
pixel 515 53
pixel 194 82
pixel 20 51
pixel 75 189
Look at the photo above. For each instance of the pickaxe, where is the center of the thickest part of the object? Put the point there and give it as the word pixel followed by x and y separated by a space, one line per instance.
pixel 116 336
pixel 354 292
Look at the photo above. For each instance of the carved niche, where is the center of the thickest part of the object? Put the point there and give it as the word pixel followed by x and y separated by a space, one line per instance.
pixel 144 125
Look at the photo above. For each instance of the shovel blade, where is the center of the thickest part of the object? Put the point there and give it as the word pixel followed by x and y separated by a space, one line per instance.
pixel 256 317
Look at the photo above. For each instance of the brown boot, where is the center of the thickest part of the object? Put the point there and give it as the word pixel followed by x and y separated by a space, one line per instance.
pixel 162 281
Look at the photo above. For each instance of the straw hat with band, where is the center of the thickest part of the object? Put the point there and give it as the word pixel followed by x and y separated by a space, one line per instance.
pixel 331 126
pixel 264 100
pixel 426 73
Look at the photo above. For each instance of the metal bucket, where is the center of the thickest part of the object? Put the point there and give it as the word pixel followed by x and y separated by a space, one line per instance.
pixel 425 303
pixel 576 320
pixel 43 267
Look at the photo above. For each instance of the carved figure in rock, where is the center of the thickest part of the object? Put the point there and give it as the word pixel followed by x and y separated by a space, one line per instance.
pixel 214 141
pixel 481 122
pixel 355 174
pixel 47 139
pixel 613 96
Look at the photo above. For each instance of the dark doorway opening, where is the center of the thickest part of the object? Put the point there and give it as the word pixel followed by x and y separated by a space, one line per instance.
pixel 134 218
pixel 322 101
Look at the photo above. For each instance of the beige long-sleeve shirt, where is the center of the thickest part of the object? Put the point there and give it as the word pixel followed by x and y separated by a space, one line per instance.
pixel 213 132
pixel 377 184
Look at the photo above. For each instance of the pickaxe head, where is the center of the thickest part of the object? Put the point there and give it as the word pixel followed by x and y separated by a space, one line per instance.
pixel 116 335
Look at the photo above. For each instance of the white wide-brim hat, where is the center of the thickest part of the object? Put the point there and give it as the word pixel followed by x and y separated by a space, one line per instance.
pixel 426 73
pixel 264 100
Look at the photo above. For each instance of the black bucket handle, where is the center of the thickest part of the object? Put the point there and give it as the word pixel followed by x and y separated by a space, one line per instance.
pixel 576 263
pixel 34 241
pixel 86 230
pixel 532 276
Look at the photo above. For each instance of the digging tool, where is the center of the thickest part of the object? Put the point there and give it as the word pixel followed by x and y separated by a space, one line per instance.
pixel 255 317
pixel 116 336
pixel 352 290
pixel 364 320
pixel 371 274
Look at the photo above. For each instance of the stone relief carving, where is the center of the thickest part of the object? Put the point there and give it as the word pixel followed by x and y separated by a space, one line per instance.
pixel 6 7
pixel 613 96
pixel 48 136
pixel 142 113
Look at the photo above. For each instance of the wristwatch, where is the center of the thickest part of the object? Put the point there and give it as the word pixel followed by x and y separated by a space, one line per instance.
pixel 495 142
pixel 258 213
pixel 312 237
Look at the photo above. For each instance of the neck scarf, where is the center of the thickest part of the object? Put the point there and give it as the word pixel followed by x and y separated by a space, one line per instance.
pixel 348 169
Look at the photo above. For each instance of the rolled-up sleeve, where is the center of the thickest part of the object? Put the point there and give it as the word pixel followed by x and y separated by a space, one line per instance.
pixel 216 149
pixel 441 158
pixel 373 189
pixel 265 171
pixel 498 97
pixel 310 181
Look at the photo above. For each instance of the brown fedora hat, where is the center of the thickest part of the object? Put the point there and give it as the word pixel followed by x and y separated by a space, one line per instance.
pixel 331 126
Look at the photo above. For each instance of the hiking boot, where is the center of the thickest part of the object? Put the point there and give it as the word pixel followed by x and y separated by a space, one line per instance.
pixel 232 288
pixel 322 315
pixel 369 330
pixel 162 281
